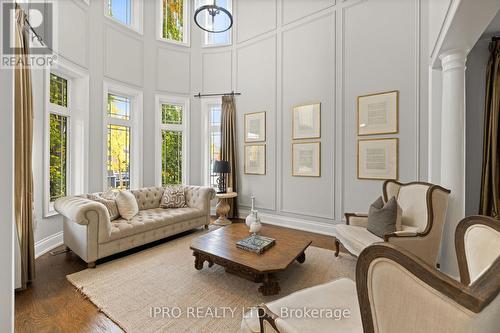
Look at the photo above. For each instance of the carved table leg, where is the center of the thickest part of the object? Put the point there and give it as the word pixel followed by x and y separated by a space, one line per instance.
pixel 301 258
pixel 198 261
pixel 222 209
pixel 270 285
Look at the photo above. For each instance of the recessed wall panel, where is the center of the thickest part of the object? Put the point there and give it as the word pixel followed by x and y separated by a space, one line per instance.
pixel 216 73
pixel 73 42
pixel 308 77
pixel 255 17
pixel 123 56
pixel 296 9
pixel 256 79
pixel 379 59
pixel 173 73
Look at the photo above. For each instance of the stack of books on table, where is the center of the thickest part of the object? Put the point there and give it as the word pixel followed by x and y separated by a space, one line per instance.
pixel 255 243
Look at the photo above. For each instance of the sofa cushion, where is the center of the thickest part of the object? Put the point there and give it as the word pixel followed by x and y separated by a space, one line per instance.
pixel 355 239
pixel 384 218
pixel 148 197
pixel 127 205
pixel 339 294
pixel 151 219
pixel 173 197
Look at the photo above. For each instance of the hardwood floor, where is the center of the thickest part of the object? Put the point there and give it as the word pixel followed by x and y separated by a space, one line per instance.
pixel 52 304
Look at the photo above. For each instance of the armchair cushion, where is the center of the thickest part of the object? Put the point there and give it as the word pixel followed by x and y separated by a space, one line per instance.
pixel 355 239
pixel 337 295
pixel 384 218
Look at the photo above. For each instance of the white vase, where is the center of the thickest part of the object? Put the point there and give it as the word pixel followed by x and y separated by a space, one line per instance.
pixel 251 217
pixel 256 225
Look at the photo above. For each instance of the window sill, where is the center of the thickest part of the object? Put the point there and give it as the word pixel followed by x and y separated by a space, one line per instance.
pixel 211 46
pixel 120 24
pixel 173 42
pixel 50 213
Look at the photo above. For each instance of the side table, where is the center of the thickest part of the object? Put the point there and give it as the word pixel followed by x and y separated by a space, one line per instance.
pixel 223 207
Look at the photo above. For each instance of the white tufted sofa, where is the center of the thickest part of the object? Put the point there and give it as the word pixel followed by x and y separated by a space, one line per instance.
pixel 90 234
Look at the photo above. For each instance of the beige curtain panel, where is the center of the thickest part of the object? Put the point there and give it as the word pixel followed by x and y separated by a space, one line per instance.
pixel 228 147
pixel 23 177
pixel 490 186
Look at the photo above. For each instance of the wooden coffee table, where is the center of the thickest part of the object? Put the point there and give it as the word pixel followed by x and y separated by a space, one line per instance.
pixel 219 247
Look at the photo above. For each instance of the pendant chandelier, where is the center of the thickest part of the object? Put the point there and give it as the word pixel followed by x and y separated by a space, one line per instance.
pixel 213 18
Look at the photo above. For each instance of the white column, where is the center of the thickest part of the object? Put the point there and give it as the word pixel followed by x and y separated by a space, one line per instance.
pixel 453 149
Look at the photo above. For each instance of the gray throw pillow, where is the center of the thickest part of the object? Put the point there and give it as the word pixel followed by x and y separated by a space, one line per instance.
pixel 383 218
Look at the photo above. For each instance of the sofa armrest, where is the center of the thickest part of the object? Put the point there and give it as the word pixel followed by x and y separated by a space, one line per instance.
pixel 199 197
pixel 83 211
pixel 359 220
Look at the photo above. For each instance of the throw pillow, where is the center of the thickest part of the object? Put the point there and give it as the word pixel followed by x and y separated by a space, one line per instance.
pixel 108 202
pixel 127 205
pixel 173 197
pixel 383 218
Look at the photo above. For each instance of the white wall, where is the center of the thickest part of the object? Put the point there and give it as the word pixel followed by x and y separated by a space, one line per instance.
pixel 7 202
pixel 107 50
pixel 475 94
pixel 328 52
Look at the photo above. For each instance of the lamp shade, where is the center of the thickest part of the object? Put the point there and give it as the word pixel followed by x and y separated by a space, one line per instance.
pixel 221 167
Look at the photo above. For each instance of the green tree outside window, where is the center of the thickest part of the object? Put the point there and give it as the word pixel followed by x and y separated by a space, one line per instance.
pixel 173 20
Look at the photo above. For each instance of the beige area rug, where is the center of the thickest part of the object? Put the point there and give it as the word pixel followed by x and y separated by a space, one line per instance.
pixel 129 290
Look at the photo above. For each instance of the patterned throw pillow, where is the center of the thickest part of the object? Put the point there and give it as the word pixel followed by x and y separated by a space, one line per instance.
pixel 108 200
pixel 173 197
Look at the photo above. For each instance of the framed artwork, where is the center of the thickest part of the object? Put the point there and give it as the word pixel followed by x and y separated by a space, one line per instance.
pixel 306 122
pixel 255 159
pixel 306 159
pixel 378 113
pixel 255 127
pixel 378 158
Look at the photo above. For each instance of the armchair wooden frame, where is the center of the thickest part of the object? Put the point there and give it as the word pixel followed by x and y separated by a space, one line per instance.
pixel 474 297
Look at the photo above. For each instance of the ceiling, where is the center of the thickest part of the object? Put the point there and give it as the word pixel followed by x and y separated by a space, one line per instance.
pixel 494 26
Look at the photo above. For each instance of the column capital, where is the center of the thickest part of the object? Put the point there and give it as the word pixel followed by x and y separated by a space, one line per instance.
pixel 453 60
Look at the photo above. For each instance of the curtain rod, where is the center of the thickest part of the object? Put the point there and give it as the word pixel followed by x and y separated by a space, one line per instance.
pixel 232 93
pixel 28 25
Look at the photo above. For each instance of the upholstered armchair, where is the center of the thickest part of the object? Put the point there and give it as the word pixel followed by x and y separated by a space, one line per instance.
pixel 423 215
pixel 396 291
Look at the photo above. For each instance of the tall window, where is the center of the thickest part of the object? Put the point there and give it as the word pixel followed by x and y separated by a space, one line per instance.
pixel 126 12
pixel 174 20
pixel 120 10
pixel 173 148
pixel 118 141
pixel 216 39
pixel 59 114
pixel 212 111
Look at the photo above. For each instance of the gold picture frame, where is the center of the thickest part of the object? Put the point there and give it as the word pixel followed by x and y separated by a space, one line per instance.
pixel 311 124
pixel 313 161
pixel 259 151
pixel 378 113
pixel 387 155
pixel 262 126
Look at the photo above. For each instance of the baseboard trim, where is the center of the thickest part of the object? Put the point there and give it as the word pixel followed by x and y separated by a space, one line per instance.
pixel 293 222
pixel 48 243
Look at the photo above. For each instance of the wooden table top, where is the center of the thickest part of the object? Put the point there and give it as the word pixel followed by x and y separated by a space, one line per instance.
pixel 226 195
pixel 222 243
